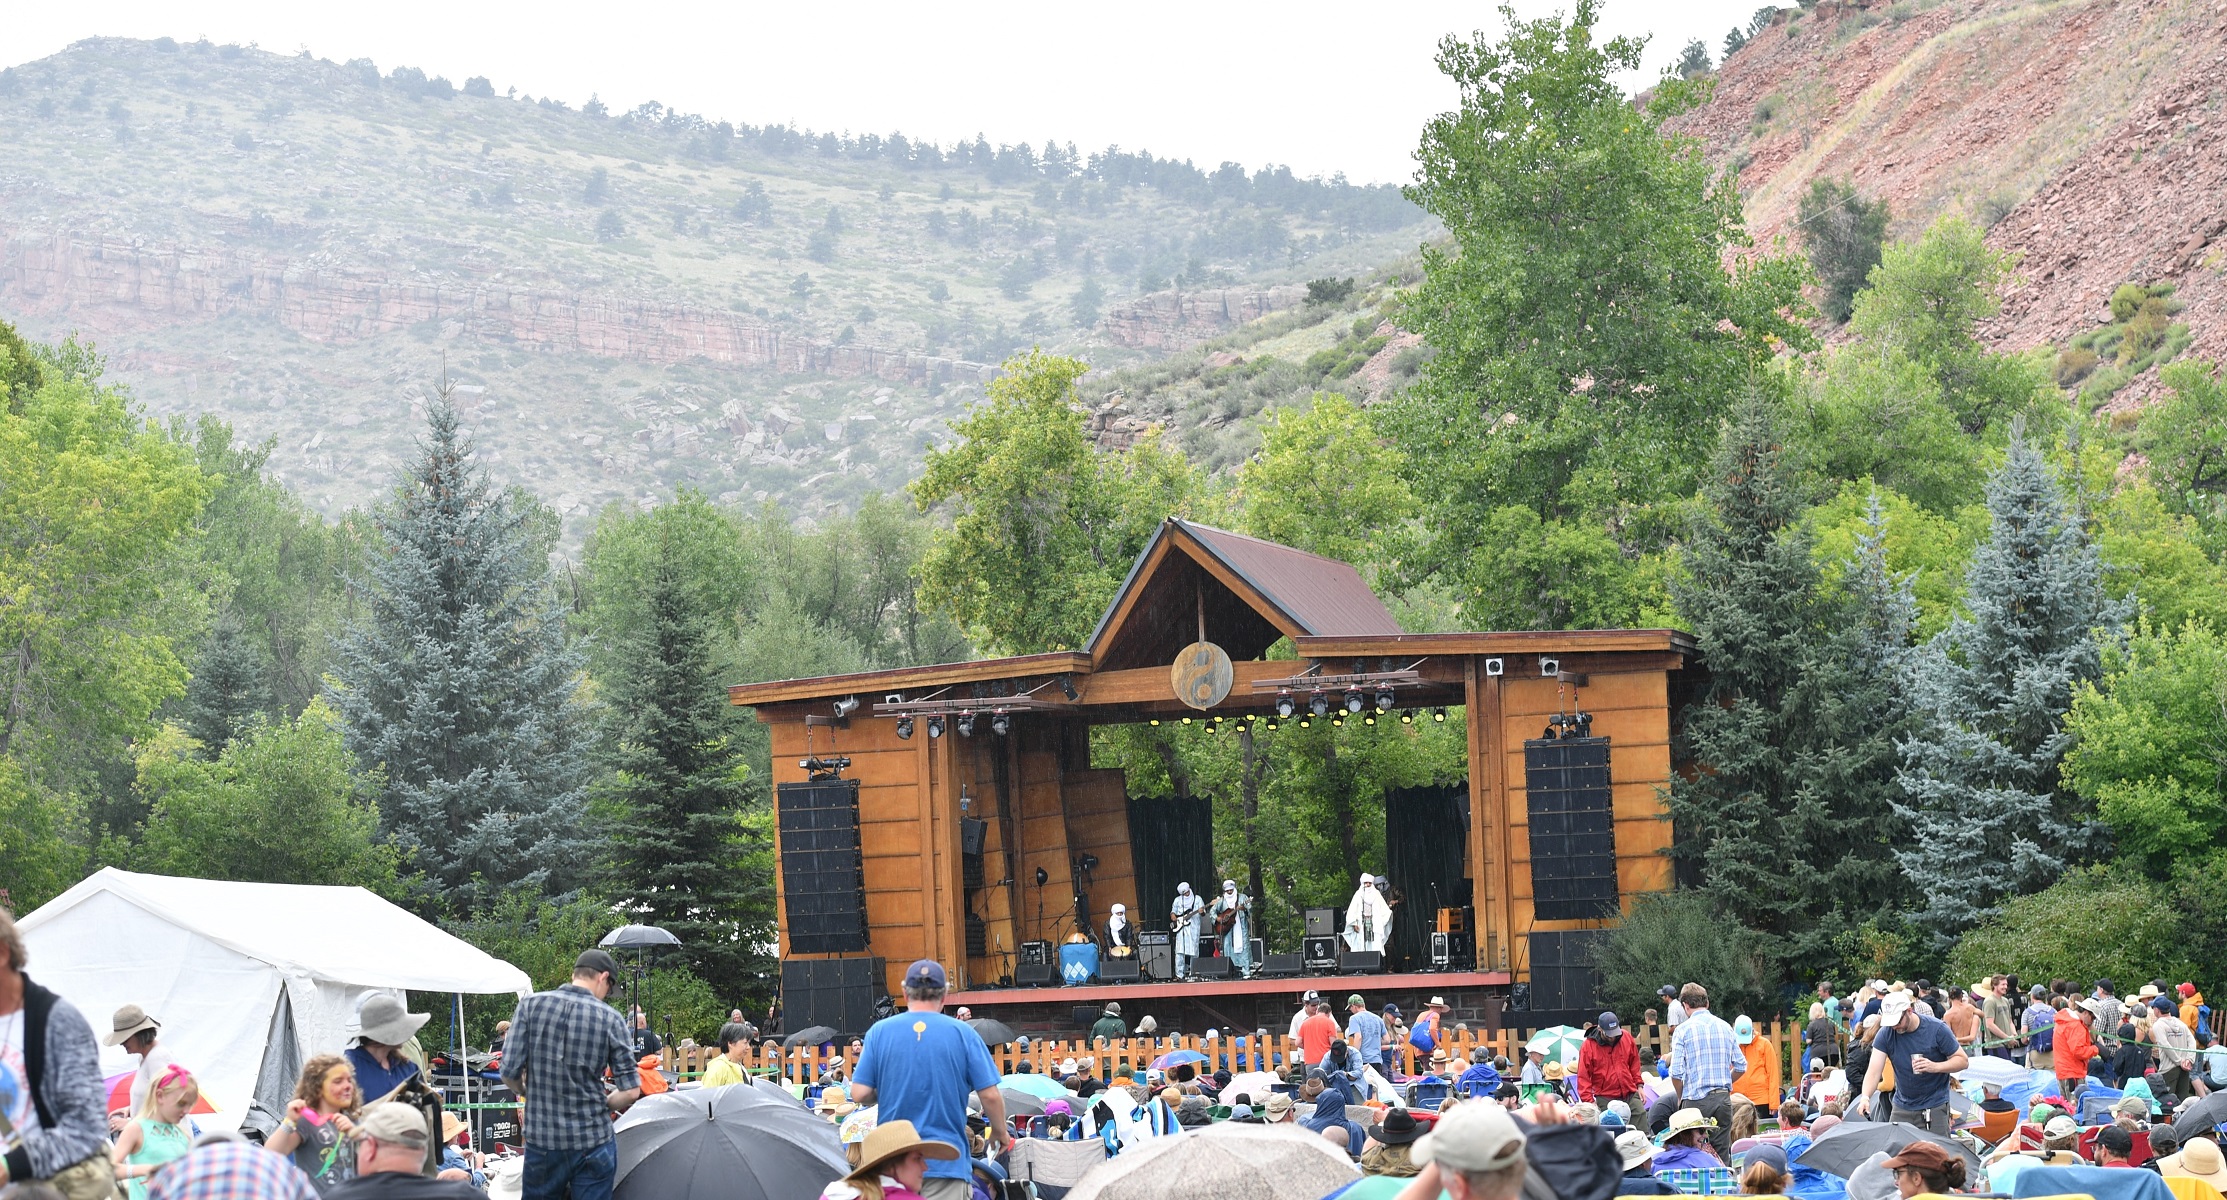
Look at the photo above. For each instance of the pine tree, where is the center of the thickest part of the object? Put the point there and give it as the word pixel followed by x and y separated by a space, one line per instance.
pixel 227 690
pixel 1989 817
pixel 684 858
pixel 1795 729
pixel 459 684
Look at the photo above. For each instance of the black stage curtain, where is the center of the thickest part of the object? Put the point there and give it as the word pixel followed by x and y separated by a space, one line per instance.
pixel 1424 842
pixel 1172 840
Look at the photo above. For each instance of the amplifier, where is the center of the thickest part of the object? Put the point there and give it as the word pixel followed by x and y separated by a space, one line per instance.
pixel 1277 966
pixel 1321 953
pixel 1322 922
pixel 1453 920
pixel 1036 974
pixel 1148 938
pixel 1036 954
pixel 1360 962
pixel 1119 970
pixel 1216 967
pixel 1260 951
pixel 1156 954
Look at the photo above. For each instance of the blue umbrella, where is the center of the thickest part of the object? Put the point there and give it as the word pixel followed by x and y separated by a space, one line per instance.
pixel 1042 1086
pixel 1178 1058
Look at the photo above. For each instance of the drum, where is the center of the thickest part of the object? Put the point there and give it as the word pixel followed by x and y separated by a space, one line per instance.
pixel 1078 963
pixel 1122 952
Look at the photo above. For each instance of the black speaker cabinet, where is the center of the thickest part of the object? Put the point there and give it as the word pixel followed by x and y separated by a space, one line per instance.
pixel 1036 954
pixel 1119 970
pixel 836 992
pixel 1157 954
pixel 823 878
pixel 1361 962
pixel 971 835
pixel 1278 966
pixel 1321 953
pixel 1211 968
pixel 1322 922
pixel 1036 974
pixel 1442 950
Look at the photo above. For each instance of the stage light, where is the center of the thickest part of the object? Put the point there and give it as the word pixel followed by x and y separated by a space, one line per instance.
pixel 966 724
pixel 1186 720
pixel 1274 723
pixel 1307 722
pixel 1285 703
pixel 1438 714
pixel 1407 716
pixel 1067 688
pixel 846 706
pixel 1320 704
pixel 1000 724
pixel 1338 721
pixel 1154 722
pixel 904 729
pixel 1384 699
pixel 935 727
pixel 1354 703
pixel 1369 719
pixel 1585 724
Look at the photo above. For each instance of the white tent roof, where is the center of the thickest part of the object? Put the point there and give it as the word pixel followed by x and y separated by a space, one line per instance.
pixel 368 942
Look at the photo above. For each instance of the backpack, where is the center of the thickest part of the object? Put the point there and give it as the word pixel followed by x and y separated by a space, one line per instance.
pixel 2044 1038
pixel 2203 1022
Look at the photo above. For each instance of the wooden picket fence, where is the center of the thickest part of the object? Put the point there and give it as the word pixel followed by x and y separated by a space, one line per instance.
pixel 1111 1060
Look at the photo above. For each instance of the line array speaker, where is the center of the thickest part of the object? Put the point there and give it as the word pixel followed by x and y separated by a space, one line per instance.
pixel 823 876
pixel 1572 828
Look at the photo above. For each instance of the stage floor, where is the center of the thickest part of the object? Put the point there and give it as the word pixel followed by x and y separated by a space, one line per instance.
pixel 1290 985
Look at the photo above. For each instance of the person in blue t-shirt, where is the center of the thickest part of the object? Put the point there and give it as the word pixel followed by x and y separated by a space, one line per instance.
pixel 1364 1030
pixel 919 1066
pixel 1924 1054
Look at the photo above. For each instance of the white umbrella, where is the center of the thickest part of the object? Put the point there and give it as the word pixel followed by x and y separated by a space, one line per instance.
pixel 1998 1072
pixel 1559 1043
pixel 1226 1161
pixel 1260 1085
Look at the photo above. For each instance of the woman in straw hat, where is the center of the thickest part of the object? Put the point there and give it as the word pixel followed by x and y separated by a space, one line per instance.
pixel 1686 1142
pixel 892 1165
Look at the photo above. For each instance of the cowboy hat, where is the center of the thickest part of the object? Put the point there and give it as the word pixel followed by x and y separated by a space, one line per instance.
pixel 1683 1120
pixel 1437 1002
pixel 1398 1128
pixel 130 1019
pixel 892 1140
pixel 384 1019
pixel 452 1127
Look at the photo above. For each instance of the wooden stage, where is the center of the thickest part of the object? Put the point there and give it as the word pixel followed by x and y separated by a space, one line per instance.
pixel 1477 997
pixel 1434 982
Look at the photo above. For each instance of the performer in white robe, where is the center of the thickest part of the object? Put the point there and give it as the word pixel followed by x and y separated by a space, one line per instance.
pixel 1237 944
pixel 1184 917
pixel 1368 919
pixel 1120 935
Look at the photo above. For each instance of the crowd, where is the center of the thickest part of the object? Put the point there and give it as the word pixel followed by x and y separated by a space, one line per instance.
pixel 1985 1088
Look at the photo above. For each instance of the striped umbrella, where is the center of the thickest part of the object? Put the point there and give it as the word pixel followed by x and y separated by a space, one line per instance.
pixel 1559 1043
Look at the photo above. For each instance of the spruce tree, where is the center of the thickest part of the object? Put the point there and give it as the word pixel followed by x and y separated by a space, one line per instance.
pixel 1989 817
pixel 459 685
pixel 1795 728
pixel 683 856
pixel 227 691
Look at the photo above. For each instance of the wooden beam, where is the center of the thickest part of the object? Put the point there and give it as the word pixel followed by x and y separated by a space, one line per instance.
pixel 1553 642
pixel 830 687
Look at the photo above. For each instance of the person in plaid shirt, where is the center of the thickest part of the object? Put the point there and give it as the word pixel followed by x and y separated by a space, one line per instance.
pixel 229 1168
pixel 1704 1060
pixel 561 1043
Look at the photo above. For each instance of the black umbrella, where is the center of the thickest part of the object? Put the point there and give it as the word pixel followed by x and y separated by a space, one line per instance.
pixel 733 1143
pixel 772 1087
pixel 1845 1146
pixel 810 1036
pixel 1022 1104
pixel 2200 1116
pixel 994 1032
pixel 638 937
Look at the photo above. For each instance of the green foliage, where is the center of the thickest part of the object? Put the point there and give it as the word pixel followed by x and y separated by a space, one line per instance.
pixel 1925 303
pixel 1043 527
pixel 2092 924
pixel 2159 557
pixel 609 226
pixel 19 369
pixel 226 694
pixel 1883 417
pixel 1083 307
pixel 1844 236
pixel 1329 291
pixel 1326 482
pixel 1680 937
pixel 2150 744
pixel 1928 551
pixel 2127 301
pixel 1693 61
pixel 2184 437
pixel 1589 334
pixel 42 840
pixel 281 804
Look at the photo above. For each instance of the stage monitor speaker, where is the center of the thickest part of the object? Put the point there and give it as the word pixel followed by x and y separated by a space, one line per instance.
pixel 1442 950
pixel 836 992
pixel 1361 962
pixel 971 835
pixel 1321 953
pixel 1322 922
pixel 1036 954
pixel 1041 974
pixel 1119 970
pixel 1085 1015
pixel 1572 828
pixel 1157 955
pixel 1216 967
pixel 823 876
pixel 1278 966
pixel 1260 951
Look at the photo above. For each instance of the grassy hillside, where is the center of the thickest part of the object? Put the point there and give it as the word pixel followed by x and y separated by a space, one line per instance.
pixel 631 300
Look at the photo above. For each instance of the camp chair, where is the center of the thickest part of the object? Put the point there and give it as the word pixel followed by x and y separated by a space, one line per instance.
pixel 1995 1126
pixel 1038 1128
pixel 1430 1092
pixel 2185 1188
pixel 1702 1181
pixel 2141 1145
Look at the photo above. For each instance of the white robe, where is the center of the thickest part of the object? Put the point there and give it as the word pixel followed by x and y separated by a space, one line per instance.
pixel 1373 934
pixel 1187 940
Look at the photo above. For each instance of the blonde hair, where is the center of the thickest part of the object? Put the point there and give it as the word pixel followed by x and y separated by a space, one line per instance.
pixel 1744 1118
pixel 173 1081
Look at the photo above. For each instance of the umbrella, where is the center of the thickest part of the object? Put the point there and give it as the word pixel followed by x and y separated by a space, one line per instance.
pixel 1023 1104
pixel 1228 1162
pixel 638 937
pixel 1845 1146
pixel 811 1035
pixel 994 1032
pixel 1044 1087
pixel 1257 1084
pixel 1558 1043
pixel 119 1095
pixel 735 1143
pixel 2200 1116
pixel 1996 1072
pixel 1178 1058
pixel 773 1087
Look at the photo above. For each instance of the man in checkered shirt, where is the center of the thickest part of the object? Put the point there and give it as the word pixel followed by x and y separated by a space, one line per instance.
pixel 561 1043
pixel 1704 1060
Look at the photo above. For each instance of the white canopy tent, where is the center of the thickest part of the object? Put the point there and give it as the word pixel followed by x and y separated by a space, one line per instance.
pixel 248 979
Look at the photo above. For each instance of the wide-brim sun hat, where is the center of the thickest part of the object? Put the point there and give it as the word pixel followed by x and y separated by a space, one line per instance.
pixel 892 1140
pixel 387 1021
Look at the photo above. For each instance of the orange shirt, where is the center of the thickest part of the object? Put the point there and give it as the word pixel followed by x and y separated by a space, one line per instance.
pixel 1760 1082
pixel 1315 1035
pixel 2071 1045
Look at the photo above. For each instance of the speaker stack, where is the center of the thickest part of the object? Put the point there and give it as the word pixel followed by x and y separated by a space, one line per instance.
pixel 1320 952
pixel 1361 962
pixel 1322 922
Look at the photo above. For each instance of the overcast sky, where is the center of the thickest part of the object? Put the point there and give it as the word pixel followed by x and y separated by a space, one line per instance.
pixel 1321 87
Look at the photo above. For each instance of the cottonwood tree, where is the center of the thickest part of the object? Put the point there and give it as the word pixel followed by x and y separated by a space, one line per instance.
pixel 1844 234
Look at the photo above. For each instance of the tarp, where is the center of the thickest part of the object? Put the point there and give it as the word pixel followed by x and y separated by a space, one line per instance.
pixel 230 969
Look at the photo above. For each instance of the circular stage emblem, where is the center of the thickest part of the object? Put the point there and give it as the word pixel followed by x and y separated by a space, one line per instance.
pixel 1202 675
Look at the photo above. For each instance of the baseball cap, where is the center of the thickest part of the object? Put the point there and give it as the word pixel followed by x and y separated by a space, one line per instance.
pixel 1355 1001
pixel 1609 1023
pixel 1892 1006
pixel 925 973
pixel 399 1124
pixel 1743 1030
pixel 1474 1137
pixel 597 961
pixel 1311 996
pixel 2060 1126
pixel 1926 1156
pixel 1666 990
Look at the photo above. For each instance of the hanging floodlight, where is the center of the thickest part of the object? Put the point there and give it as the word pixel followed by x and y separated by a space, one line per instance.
pixel 966 724
pixel 1000 723
pixel 1154 722
pixel 935 727
pixel 1439 714
pixel 1384 699
pixel 904 729
pixel 1354 703
pixel 1320 703
pixel 1369 719
pixel 1407 716
pixel 846 706
pixel 1286 704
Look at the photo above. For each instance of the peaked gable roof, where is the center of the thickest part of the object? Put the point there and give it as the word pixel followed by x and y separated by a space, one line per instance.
pixel 1247 591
